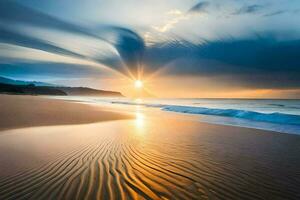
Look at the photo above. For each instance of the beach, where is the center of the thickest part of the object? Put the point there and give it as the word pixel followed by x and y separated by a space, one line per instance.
pixel 26 111
pixel 56 149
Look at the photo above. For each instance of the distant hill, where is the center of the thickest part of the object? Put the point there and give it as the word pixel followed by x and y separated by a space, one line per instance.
pixel 29 90
pixel 9 86
pixel 19 82
pixel 85 91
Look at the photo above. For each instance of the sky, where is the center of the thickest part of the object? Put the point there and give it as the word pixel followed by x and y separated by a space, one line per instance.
pixel 178 48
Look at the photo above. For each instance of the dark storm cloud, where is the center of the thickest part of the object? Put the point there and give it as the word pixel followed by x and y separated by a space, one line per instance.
pixel 199 7
pixel 249 9
pixel 260 62
pixel 128 44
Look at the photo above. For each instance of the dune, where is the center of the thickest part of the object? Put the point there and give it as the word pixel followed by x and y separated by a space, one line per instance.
pixel 148 157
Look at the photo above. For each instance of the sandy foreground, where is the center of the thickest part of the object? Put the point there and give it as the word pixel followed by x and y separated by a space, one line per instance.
pixel 149 156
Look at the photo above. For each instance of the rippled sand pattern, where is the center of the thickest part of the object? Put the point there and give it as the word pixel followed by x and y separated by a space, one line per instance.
pixel 154 160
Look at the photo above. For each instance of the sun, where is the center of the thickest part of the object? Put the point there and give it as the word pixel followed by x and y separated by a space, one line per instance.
pixel 138 84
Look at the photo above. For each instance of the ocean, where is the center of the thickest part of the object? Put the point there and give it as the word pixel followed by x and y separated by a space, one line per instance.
pixel 268 114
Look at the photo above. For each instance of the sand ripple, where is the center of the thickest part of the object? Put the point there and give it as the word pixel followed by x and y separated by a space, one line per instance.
pixel 122 165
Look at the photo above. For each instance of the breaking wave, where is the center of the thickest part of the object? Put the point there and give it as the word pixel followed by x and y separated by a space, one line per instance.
pixel 276 117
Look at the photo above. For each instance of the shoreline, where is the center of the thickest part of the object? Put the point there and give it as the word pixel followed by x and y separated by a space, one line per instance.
pixel 281 128
pixel 49 111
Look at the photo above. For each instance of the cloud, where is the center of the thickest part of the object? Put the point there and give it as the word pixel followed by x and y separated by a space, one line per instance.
pixel 52 70
pixel 279 12
pixel 131 48
pixel 128 44
pixel 260 62
pixel 11 37
pixel 12 12
pixel 249 9
pixel 174 17
pixel 177 16
pixel 199 7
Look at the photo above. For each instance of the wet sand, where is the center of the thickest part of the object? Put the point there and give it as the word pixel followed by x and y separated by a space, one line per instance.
pixel 26 111
pixel 148 157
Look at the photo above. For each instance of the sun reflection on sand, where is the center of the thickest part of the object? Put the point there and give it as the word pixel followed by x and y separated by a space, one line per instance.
pixel 139 120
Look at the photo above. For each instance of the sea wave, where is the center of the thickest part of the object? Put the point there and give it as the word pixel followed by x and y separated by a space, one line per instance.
pixel 276 117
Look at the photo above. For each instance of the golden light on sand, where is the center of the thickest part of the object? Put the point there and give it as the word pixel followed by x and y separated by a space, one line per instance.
pixel 139 121
pixel 139 117
pixel 138 84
